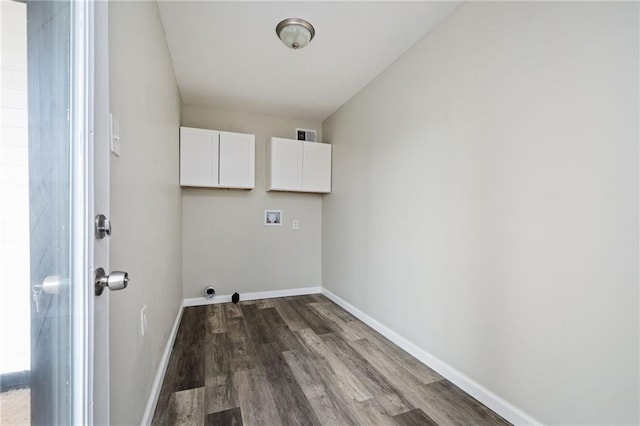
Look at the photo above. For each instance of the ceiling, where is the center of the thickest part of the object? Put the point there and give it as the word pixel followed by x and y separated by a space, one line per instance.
pixel 227 55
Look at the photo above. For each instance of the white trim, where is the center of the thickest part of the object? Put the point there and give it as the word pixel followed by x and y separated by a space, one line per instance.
pixel 197 301
pixel 476 390
pixel 81 105
pixel 147 417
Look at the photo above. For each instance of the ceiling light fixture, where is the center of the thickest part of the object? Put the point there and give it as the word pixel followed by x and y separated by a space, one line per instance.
pixel 295 33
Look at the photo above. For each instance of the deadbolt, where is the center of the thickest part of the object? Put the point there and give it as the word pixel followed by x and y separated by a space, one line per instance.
pixel 117 280
pixel 103 226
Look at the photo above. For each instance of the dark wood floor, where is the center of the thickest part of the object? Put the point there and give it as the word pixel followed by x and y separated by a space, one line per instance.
pixel 301 361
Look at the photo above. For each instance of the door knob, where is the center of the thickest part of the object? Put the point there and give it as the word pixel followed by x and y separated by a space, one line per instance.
pixel 117 280
pixel 54 284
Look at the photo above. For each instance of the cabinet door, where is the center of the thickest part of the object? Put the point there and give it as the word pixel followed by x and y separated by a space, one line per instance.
pixel 198 157
pixel 285 165
pixel 316 167
pixel 237 160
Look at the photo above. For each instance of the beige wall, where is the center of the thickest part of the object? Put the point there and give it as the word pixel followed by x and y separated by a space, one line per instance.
pixel 145 203
pixel 485 204
pixel 225 242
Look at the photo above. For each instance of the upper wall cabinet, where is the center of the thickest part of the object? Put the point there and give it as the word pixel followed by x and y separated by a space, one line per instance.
pixel 215 159
pixel 298 166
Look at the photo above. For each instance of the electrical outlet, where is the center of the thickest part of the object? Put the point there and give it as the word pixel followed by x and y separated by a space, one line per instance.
pixel 143 320
pixel 295 224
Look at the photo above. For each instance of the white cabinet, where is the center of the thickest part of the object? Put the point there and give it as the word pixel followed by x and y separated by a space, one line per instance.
pixel 214 159
pixel 237 160
pixel 198 157
pixel 316 167
pixel 298 166
pixel 284 165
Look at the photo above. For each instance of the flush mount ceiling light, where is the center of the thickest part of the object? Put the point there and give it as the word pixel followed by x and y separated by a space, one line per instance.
pixel 295 33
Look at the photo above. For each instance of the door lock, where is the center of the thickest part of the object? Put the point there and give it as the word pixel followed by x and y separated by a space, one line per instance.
pixel 116 280
pixel 103 226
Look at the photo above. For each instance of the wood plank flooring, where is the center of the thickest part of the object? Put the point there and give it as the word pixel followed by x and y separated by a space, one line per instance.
pixel 301 361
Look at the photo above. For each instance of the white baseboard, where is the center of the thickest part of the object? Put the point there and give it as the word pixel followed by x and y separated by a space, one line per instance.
pixel 162 369
pixel 226 298
pixel 479 392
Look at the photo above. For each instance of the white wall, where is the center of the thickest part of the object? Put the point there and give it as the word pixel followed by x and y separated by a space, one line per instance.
pixel 146 210
pixel 15 314
pixel 225 243
pixel 485 203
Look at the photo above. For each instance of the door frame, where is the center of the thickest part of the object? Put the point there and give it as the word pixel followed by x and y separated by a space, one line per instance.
pixel 101 198
pixel 81 112
pixel 90 192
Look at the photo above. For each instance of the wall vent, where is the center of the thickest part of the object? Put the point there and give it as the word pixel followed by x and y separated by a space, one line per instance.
pixel 306 135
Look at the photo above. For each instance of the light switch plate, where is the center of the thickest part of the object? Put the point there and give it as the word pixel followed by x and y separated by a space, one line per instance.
pixel 115 135
pixel 143 320
pixel 295 224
